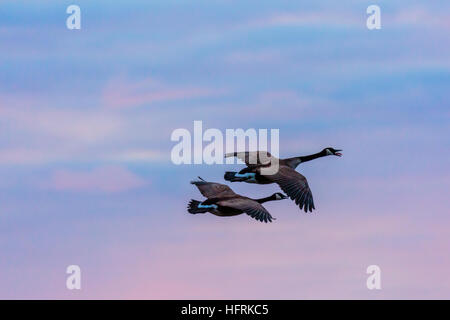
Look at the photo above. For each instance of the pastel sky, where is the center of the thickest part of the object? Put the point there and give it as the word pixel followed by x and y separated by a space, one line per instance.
pixel 86 177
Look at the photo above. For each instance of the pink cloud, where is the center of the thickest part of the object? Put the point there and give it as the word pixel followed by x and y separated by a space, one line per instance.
pixel 81 125
pixel 122 93
pixel 22 156
pixel 310 257
pixel 104 179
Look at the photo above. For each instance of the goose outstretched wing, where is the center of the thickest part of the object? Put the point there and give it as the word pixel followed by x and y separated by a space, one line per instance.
pixel 295 186
pixel 252 158
pixel 250 207
pixel 212 189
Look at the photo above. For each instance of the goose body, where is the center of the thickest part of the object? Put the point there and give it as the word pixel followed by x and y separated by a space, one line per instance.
pixel 224 202
pixel 290 181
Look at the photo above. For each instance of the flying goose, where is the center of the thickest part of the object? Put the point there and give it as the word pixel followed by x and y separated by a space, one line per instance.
pixel 222 201
pixel 290 181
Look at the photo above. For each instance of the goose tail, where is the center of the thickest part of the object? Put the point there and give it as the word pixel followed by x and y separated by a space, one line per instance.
pixel 193 207
pixel 231 176
pixel 199 182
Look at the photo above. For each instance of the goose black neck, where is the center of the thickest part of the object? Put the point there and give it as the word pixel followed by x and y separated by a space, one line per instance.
pixel 294 162
pixel 262 200
pixel 313 156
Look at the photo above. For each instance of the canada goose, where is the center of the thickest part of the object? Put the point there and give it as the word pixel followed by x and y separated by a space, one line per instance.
pixel 290 181
pixel 223 202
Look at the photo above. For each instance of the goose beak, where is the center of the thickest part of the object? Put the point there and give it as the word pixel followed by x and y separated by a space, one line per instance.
pixel 337 153
pixel 283 197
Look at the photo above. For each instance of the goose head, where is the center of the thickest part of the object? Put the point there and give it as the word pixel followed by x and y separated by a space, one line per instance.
pixel 279 196
pixel 332 152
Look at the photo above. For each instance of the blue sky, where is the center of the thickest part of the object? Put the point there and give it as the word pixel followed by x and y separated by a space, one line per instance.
pixel 85 123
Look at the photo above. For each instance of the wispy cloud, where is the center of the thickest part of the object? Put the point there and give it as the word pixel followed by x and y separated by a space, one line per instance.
pixel 108 179
pixel 312 18
pixel 405 15
pixel 86 126
pixel 123 93
pixel 139 155
pixel 26 156
pixel 261 56
pixel 49 134
pixel 420 16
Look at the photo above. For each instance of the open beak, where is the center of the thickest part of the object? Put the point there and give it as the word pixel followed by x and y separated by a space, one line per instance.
pixel 338 153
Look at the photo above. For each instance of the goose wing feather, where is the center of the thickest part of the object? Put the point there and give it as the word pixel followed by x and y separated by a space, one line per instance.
pixel 212 189
pixel 249 206
pixel 252 158
pixel 295 186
